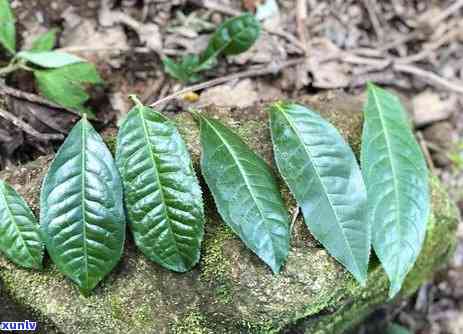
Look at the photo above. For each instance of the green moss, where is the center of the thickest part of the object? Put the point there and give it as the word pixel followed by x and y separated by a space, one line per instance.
pixel 192 323
pixel 111 142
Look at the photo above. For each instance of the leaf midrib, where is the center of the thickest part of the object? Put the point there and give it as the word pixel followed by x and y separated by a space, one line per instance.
pixel 389 158
pixel 245 177
pixel 13 219
pixel 307 150
pixel 83 206
pixel 158 180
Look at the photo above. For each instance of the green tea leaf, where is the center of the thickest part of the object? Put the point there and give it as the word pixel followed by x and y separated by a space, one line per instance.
pixel 44 42
pixel 49 59
pixel 162 193
pixel 65 85
pixel 82 216
pixel 233 37
pixel 19 232
pixel 396 177
pixel 245 192
pixel 322 173
pixel 7 28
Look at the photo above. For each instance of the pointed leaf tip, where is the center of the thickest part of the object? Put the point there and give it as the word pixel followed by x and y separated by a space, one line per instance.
pixel 396 177
pixel 150 144
pixel 334 208
pixel 245 192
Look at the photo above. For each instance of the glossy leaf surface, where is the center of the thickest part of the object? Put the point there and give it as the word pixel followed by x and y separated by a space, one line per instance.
pixel 49 59
pixel 7 27
pixel 322 173
pixel 82 216
pixel 245 192
pixel 162 194
pixel 19 232
pixel 396 177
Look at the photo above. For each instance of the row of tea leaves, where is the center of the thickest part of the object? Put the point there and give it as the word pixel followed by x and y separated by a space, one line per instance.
pixel 86 195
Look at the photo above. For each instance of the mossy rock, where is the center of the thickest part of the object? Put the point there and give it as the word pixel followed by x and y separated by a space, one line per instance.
pixel 231 290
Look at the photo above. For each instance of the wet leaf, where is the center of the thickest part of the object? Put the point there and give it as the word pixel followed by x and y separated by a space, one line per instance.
pixel 324 177
pixel 162 194
pixel 245 192
pixel 396 177
pixel 7 27
pixel 82 215
pixel 19 232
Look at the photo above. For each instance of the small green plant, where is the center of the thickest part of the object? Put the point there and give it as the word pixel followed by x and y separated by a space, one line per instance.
pixel 60 77
pixel 233 37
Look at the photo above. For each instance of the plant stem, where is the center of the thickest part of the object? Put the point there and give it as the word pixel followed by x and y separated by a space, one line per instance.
pixel 9 68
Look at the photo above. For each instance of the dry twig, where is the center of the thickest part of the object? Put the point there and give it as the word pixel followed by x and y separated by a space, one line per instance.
pixel 27 128
pixel 264 70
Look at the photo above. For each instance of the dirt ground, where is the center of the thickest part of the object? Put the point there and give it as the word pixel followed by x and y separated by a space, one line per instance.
pixel 306 46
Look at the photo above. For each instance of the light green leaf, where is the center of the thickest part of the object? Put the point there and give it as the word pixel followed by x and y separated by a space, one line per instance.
pixel 19 232
pixel 49 59
pixel 245 192
pixel 7 28
pixel 322 173
pixel 396 177
pixel 44 42
pixel 162 193
pixel 82 216
pixel 66 85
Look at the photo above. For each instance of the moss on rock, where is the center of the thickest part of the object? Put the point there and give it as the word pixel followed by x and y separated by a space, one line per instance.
pixel 231 290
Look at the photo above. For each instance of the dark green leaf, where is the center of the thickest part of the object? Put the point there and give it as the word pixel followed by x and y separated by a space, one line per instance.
pixel 65 85
pixel 44 42
pixel 245 192
pixel 162 194
pixel 233 37
pixel 322 173
pixel 183 71
pixel 19 232
pixel 49 59
pixel 7 28
pixel 396 177
pixel 82 216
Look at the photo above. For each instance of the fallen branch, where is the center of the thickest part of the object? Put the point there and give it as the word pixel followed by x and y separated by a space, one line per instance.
pixel 264 70
pixel 33 98
pixel 28 129
pixel 429 77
